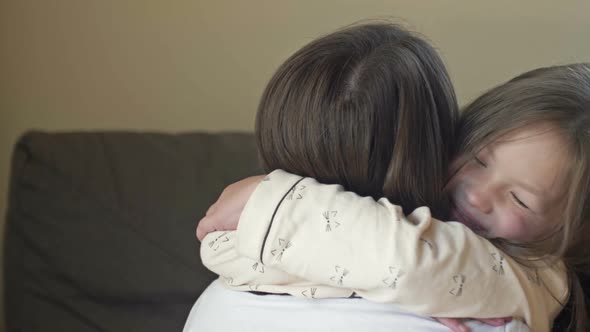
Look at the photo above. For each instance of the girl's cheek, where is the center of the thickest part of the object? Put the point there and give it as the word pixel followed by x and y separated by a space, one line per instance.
pixel 515 227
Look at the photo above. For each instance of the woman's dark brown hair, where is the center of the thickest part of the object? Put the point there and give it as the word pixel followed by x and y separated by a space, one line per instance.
pixel 370 107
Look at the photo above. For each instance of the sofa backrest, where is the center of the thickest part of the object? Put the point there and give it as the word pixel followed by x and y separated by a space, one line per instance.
pixel 101 226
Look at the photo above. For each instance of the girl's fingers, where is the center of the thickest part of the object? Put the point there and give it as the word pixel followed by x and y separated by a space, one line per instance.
pixel 495 321
pixel 456 325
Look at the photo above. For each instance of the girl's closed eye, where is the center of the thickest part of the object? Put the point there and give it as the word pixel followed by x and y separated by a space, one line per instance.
pixel 480 162
pixel 519 201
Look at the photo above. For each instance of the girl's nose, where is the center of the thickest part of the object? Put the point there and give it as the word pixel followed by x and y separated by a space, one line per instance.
pixel 479 198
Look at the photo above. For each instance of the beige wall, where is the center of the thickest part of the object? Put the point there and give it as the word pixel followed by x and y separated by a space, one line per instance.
pixel 187 65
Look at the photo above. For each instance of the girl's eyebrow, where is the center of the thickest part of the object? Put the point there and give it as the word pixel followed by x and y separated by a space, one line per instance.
pixel 531 189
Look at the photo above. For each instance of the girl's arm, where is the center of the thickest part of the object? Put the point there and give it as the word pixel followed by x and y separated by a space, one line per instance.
pixel 219 254
pixel 323 234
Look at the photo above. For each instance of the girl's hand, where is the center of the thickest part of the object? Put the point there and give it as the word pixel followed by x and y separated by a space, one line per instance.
pixel 225 213
pixel 456 325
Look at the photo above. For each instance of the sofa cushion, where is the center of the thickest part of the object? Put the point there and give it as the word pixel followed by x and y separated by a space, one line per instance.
pixel 101 227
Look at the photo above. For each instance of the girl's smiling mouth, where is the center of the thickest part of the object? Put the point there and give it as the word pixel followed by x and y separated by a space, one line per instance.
pixel 461 215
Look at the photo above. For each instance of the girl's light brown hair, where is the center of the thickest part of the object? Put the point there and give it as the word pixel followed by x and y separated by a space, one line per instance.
pixel 370 107
pixel 560 97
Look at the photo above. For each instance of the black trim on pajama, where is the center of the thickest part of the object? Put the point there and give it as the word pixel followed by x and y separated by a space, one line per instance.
pixel 273 218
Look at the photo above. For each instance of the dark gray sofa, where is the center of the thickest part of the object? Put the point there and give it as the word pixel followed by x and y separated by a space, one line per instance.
pixel 100 227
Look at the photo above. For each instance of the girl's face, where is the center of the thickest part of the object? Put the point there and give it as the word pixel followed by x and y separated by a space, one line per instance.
pixel 514 189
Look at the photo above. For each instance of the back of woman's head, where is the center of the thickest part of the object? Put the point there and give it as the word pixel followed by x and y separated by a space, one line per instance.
pixel 558 96
pixel 370 107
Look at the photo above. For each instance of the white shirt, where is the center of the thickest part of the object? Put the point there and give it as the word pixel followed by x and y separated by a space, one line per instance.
pixel 220 309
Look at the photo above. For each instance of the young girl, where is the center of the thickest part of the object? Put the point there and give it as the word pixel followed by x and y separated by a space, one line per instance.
pixel 422 245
